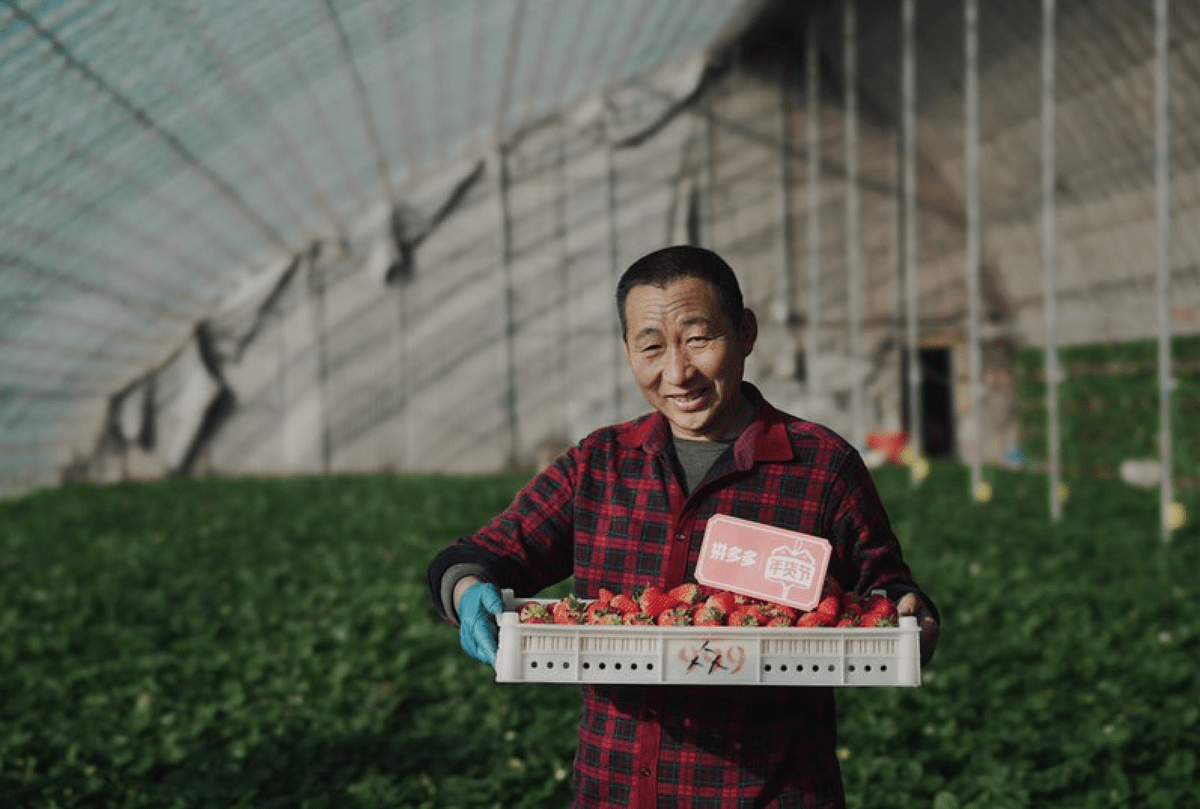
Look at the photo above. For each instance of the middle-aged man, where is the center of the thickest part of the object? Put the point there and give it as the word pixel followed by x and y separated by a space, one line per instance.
pixel 627 507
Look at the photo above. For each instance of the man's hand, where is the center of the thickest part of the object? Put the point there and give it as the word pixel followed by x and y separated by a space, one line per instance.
pixel 478 603
pixel 913 604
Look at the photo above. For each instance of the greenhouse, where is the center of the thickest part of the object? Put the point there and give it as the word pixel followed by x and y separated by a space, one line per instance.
pixel 332 243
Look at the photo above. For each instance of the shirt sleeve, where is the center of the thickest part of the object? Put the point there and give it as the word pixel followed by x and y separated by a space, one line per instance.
pixel 526 548
pixel 860 521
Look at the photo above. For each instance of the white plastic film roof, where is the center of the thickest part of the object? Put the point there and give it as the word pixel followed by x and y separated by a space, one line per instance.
pixel 153 155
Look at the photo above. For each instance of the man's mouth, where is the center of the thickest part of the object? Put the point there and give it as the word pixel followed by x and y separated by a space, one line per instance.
pixel 691 398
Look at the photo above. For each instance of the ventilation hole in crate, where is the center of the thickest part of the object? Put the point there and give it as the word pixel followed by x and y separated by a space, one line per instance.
pixel 566 664
pixel 883 667
pixel 850 667
pixel 617 666
pixel 649 667
pixel 783 667
pixel 767 667
pixel 586 666
pixel 816 667
pixel 550 664
pixel 533 665
pixel 602 667
pixel 633 666
pixel 867 667
pixel 831 667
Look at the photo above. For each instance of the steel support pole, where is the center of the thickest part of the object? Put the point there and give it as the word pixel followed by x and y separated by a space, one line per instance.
pixel 974 359
pixel 813 137
pixel 909 215
pixel 1050 256
pixel 1162 197
pixel 853 236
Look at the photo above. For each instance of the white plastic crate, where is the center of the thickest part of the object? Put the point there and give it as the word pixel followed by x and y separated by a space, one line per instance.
pixel 693 655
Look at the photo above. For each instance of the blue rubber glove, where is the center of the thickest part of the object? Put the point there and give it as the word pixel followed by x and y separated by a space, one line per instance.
pixel 477 630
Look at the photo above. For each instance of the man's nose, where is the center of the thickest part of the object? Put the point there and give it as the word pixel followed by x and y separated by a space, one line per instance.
pixel 678 366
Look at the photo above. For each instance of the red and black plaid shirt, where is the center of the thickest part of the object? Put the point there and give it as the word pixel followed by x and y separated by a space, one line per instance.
pixel 611 512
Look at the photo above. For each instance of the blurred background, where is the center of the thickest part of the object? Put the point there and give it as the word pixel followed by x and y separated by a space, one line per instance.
pixel 359 235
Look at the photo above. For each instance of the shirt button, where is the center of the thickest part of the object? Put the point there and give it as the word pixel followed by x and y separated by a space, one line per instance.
pixel 652 713
pixel 646 771
pixel 680 537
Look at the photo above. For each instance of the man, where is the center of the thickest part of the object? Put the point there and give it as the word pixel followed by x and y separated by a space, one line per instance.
pixel 627 507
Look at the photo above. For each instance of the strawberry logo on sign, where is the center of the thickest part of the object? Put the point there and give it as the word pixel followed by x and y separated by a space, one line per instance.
pixel 791 567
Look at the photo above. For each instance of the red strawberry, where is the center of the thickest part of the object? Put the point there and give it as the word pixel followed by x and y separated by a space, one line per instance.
pixel 607 618
pixel 773 610
pixel 852 603
pixel 829 608
pixel 703 616
pixel 879 604
pixel 688 593
pixel 780 620
pixel 809 619
pixel 605 595
pixel 847 619
pixel 597 610
pixel 534 612
pixel 567 610
pixel 748 615
pixel 654 601
pixel 637 619
pixel 722 600
pixel 675 616
pixel 877 619
pixel 623 604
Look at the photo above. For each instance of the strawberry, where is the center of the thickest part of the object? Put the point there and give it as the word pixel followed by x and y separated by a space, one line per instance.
pixel 606 595
pixel 567 610
pixel 689 593
pixel 831 588
pixel 830 609
pixel 772 610
pixel 779 620
pixel 747 615
pixel 675 616
pixel 654 601
pixel 597 610
pixel 877 619
pixel 623 604
pixel 847 619
pixel 534 612
pixel 636 619
pixel 879 604
pixel 809 619
pixel 722 601
pixel 607 618
pixel 703 616
pixel 852 603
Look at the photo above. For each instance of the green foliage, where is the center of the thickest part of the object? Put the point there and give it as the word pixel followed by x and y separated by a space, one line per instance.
pixel 1065 673
pixel 256 643
pixel 269 643
pixel 1109 407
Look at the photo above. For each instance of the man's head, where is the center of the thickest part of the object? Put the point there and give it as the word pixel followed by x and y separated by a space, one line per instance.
pixel 686 336
pixel 659 268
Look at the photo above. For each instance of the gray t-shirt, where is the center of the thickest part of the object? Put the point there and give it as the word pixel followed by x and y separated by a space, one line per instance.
pixel 696 458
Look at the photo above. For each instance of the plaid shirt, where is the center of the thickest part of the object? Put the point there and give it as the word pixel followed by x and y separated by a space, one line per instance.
pixel 611 512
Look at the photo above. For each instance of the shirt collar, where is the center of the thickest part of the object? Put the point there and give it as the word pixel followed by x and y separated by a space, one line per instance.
pixel 764 439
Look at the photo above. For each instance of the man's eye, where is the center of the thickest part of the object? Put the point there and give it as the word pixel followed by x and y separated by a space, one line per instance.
pixel 699 339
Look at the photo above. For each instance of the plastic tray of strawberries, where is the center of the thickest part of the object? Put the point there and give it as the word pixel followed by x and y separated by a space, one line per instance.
pixel 694 635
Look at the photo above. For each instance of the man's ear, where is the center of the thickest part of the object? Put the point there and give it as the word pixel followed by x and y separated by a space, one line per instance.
pixel 748 331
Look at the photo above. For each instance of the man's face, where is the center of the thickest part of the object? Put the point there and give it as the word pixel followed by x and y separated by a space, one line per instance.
pixel 688 357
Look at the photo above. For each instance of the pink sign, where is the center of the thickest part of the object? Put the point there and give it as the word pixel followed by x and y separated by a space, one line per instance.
pixel 762 561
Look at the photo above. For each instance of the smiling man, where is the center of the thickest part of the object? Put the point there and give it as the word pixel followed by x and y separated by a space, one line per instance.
pixel 627 507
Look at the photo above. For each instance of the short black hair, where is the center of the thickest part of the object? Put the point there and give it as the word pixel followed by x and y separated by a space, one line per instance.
pixel 660 268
